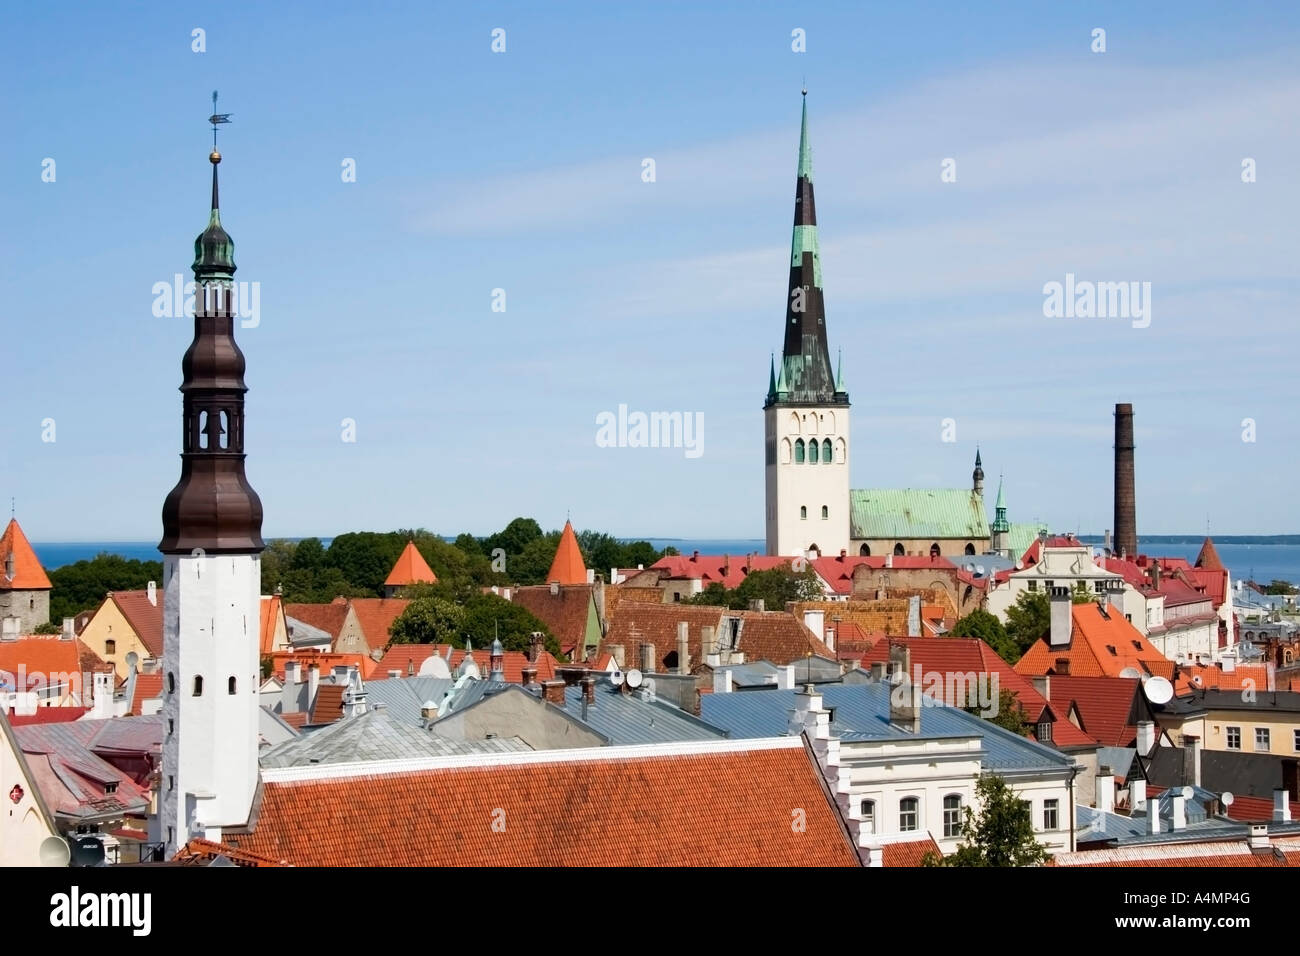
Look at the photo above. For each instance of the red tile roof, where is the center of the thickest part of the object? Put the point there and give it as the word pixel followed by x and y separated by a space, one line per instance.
pixel 1193 677
pixel 702 805
pixel 326 661
pixel 1033 554
pixel 1172 854
pixel 376 617
pixel 199 852
pixel 147 687
pixel 328 706
pixel 325 617
pixel 28 573
pixel 567 567
pixel 41 655
pixel 565 614
pixel 48 715
pixel 1099 646
pixel 407 657
pixel 729 570
pixel 909 853
pixel 411 568
pixel 764 635
pixel 970 655
pixel 1209 557
pixel 1104 706
pixel 144 616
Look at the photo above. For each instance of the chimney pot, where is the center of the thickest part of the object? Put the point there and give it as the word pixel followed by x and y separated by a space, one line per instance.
pixel 588 689
pixel 529 675
pixel 1281 806
pixel 1137 795
pixel 1125 495
pixel 151 590
pixel 553 692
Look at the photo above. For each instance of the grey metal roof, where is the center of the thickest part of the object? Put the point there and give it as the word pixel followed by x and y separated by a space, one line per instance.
pixel 1119 759
pixel 861 712
pixel 405 696
pixel 373 736
pixel 628 719
pixel 301 633
pixel 1248 774
pixel 1263 701
pixel 1092 825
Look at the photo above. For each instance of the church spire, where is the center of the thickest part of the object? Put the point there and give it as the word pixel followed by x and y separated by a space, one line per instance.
pixel 1000 523
pixel 977 476
pixel 805 358
pixel 213 509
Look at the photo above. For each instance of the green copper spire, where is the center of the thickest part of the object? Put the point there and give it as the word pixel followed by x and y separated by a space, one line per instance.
pixel 214 250
pixel 781 387
pixel 805 147
pixel 839 371
pixel 771 380
pixel 1000 522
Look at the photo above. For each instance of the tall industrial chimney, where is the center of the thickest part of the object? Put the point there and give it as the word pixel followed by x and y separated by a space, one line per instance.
pixel 1125 496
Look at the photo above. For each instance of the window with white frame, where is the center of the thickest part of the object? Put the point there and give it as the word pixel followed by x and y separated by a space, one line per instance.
pixel 869 816
pixel 1261 738
pixel 952 815
pixel 908 813
pixel 1234 738
pixel 1051 814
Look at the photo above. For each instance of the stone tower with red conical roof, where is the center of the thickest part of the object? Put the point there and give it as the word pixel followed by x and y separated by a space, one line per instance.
pixel 211 545
pixel 24 587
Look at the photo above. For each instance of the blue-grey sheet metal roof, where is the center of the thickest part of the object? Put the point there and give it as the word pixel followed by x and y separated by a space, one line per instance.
pixel 861 712
pixel 754 674
pixel 373 736
pixel 1119 759
pixel 1092 825
pixel 405 696
pixel 628 719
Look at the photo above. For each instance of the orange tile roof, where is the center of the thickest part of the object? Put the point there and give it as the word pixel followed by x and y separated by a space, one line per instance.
pixel 772 635
pixel 406 658
pixel 1193 677
pixel 147 687
pixel 376 616
pixel 325 660
pixel 567 568
pixel 40 654
pixel 1099 646
pixel 28 573
pixel 271 608
pixel 410 568
pixel 1172 854
pixel 706 805
pixel 1104 706
pixel 325 617
pixel 909 852
pixel 144 616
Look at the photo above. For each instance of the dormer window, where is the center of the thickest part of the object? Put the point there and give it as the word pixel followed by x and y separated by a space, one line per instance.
pixel 110 788
pixel 1044 732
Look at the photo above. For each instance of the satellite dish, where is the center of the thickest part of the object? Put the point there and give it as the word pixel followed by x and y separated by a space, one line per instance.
pixel 1227 798
pixel 55 851
pixel 132 660
pixel 87 851
pixel 970 567
pixel 1158 690
pixel 1020 564
pixel 616 676
pixel 1130 672
pixel 979 570
pixel 634 678
pixel 1187 793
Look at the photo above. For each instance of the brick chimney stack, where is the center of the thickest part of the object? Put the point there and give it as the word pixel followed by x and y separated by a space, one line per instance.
pixel 1125 495
pixel 553 692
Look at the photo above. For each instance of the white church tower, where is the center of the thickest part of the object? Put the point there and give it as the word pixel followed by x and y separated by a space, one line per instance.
pixel 806 415
pixel 211 545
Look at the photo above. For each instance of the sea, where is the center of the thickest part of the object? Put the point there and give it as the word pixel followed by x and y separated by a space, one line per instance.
pixel 1254 558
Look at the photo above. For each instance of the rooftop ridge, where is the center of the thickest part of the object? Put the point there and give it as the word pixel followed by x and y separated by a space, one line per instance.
pixel 376 768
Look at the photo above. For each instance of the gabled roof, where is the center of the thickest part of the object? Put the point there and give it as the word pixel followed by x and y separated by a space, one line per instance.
pixel 1104 706
pixel 147 687
pixel 144 616
pixel 771 635
pixel 729 570
pixel 1193 677
pixel 328 706
pixel 901 513
pixel 567 567
pixel 565 613
pixel 410 568
pixel 628 719
pixel 376 617
pixel 725 803
pixel 324 660
pixel 272 607
pixel 967 656
pixel 325 617
pixel 909 852
pixel 1100 645
pixel 28 573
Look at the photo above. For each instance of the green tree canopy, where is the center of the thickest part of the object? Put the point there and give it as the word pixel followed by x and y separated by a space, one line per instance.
pixel 81 586
pixel 487 616
pixel 775 587
pixel 1027 620
pixel 429 620
pixel 1001 834
pixel 989 629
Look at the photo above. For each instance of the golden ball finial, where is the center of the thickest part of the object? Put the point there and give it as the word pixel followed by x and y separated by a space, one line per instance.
pixel 214 157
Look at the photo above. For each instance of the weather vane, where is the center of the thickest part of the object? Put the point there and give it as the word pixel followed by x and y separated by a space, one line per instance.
pixel 216 119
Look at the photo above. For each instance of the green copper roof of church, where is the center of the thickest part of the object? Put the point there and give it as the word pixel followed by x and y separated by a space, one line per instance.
pixel 932 513
pixel 1000 512
pixel 771 379
pixel 214 250
pixel 805 147
pixel 1021 536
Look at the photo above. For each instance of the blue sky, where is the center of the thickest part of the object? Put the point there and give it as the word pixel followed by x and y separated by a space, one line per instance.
pixel 521 171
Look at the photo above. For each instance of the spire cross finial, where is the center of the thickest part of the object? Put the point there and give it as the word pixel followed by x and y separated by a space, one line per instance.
pixel 215 119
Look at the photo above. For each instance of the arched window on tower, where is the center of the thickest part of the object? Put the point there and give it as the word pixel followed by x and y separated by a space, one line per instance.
pixel 785 451
pixel 803 512
pixel 934 550
pixel 812 451
pixel 799 452
pixel 970 548
pixel 864 551
pixel 826 512
pixel 898 549
pixel 223 439
pixel 840 452
pixel 203 429
pixel 827 456
pixel 230 686
pixel 198 685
